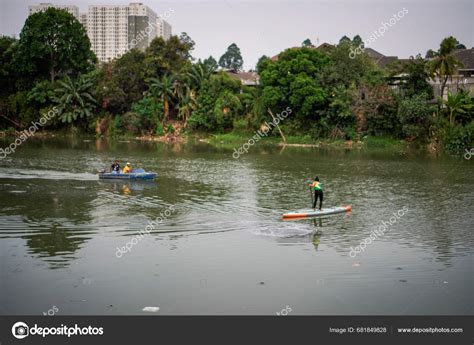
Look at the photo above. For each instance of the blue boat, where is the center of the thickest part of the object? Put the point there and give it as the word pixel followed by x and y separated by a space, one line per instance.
pixel 137 174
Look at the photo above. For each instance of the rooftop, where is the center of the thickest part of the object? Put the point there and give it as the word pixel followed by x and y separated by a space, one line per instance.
pixel 466 56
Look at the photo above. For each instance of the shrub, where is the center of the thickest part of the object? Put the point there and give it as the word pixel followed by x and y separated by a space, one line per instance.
pixel 160 130
pixel 130 122
pixel 240 125
pixel 415 117
pixel 457 138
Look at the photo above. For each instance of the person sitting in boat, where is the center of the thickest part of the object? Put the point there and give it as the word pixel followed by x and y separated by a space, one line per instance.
pixel 115 167
pixel 127 169
pixel 318 192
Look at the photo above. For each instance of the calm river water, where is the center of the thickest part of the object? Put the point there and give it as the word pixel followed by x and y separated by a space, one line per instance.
pixel 222 247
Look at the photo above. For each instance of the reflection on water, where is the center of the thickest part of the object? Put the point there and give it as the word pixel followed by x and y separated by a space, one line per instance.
pixel 227 229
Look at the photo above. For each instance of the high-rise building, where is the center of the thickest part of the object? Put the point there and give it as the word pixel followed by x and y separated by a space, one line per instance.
pixel 164 28
pixel 113 30
pixel 83 19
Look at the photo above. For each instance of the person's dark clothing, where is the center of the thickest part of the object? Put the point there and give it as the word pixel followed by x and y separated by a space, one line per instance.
pixel 318 194
pixel 116 167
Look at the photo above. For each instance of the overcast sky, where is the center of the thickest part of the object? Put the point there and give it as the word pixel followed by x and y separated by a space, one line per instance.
pixel 267 27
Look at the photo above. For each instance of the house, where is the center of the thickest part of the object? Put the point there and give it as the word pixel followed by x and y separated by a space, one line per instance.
pixel 249 78
pixel 381 60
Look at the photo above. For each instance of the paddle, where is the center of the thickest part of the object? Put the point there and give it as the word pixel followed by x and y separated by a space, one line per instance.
pixel 312 197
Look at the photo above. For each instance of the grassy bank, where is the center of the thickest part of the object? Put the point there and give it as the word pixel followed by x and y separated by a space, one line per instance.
pixel 368 142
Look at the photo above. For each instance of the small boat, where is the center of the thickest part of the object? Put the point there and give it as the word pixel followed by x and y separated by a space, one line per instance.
pixel 306 213
pixel 137 174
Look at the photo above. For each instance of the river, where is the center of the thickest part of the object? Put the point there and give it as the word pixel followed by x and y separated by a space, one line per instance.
pixel 73 245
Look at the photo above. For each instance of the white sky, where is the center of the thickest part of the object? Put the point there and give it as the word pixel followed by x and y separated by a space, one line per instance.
pixel 267 27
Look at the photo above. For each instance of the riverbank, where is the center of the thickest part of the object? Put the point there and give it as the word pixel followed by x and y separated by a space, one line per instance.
pixel 367 142
pixel 238 139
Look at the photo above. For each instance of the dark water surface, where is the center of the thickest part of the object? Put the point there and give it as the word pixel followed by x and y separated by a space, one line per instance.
pixel 222 247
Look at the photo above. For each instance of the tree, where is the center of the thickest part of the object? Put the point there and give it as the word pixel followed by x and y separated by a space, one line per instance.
pixel 430 54
pixel 186 105
pixel 346 70
pixel 307 43
pixel 121 82
pixel 445 64
pixel 415 117
pixel 357 41
pixel 7 79
pixel 52 43
pixel 185 39
pixel 295 80
pixel 344 39
pixel 217 103
pixel 262 62
pixel 198 74
pixel 226 107
pixel 232 59
pixel 41 93
pixel 211 64
pixel 6 69
pixel 458 103
pixel 75 98
pixel 416 81
pixel 149 114
pixel 166 57
pixel 163 89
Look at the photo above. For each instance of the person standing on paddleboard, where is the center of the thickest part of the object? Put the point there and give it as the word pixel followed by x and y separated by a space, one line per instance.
pixel 318 192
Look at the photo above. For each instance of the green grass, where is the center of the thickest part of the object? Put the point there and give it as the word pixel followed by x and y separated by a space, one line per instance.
pixel 367 143
pixel 371 142
pixel 243 137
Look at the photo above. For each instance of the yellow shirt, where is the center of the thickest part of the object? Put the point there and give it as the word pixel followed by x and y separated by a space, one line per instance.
pixel 127 169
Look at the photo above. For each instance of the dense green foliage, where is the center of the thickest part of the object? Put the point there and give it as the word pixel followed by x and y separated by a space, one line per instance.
pixel 232 58
pixel 51 43
pixel 74 98
pixel 163 91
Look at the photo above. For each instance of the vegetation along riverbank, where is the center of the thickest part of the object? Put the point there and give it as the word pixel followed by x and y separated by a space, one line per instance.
pixel 330 96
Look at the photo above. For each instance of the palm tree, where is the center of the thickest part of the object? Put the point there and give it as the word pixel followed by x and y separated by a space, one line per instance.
pixel 198 74
pixel 457 103
pixel 74 98
pixel 444 64
pixel 163 89
pixel 187 104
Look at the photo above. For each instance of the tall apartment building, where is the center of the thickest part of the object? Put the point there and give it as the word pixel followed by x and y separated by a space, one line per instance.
pixel 164 28
pixel 83 19
pixel 74 10
pixel 113 30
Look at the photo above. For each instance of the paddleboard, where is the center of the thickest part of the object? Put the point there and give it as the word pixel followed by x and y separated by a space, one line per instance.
pixel 316 213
